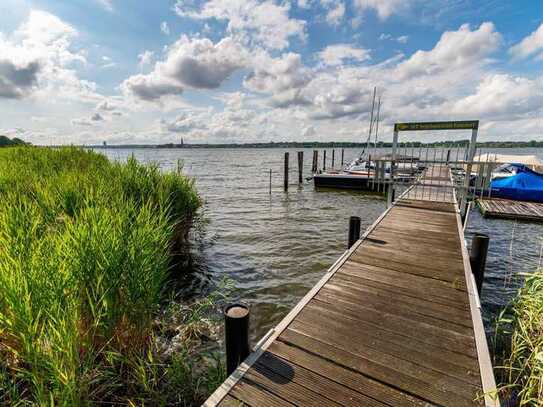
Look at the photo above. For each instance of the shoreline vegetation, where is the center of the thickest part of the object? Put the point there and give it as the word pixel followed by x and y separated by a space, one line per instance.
pixel 519 345
pixel 86 258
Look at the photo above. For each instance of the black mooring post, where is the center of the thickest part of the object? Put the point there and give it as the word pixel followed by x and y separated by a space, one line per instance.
pixel 354 231
pixel 300 166
pixel 448 156
pixel 477 258
pixel 286 172
pixel 342 155
pixel 236 335
pixel 324 161
pixel 333 157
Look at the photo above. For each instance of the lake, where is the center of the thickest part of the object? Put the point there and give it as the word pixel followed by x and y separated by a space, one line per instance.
pixel 276 246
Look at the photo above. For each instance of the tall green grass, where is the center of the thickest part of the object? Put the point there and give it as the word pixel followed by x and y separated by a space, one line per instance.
pixel 84 259
pixel 521 328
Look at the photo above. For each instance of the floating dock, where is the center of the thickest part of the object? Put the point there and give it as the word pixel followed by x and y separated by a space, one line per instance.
pixel 507 209
pixel 395 321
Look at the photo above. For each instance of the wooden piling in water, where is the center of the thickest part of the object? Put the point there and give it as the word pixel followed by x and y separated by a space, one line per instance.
pixel 324 161
pixel 477 258
pixel 270 179
pixel 315 166
pixel 333 157
pixel 236 335
pixel 342 155
pixel 286 172
pixel 354 231
pixel 300 166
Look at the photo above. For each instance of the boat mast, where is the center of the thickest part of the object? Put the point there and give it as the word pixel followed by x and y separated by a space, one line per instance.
pixel 371 124
pixel 377 124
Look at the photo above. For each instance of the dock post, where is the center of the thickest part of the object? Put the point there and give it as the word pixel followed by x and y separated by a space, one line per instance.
pixel 333 157
pixel 286 172
pixel 354 231
pixel 324 161
pixel 300 166
pixel 342 155
pixel 270 179
pixel 236 335
pixel 315 161
pixel 477 258
pixel 448 155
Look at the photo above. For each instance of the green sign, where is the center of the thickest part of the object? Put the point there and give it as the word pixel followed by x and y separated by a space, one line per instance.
pixel 461 125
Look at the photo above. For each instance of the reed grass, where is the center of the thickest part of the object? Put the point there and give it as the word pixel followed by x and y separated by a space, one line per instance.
pixel 520 327
pixel 84 261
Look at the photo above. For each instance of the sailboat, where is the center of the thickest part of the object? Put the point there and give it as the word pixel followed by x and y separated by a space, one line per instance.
pixel 360 172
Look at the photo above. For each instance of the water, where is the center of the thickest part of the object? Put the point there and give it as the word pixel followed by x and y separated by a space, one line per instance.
pixel 276 246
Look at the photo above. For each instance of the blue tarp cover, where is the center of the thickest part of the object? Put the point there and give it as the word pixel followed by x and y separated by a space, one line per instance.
pixel 525 185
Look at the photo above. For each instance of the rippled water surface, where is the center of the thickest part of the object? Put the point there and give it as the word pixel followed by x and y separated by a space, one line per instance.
pixel 277 246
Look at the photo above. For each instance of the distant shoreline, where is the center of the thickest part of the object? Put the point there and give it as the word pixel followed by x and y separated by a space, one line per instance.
pixel 444 144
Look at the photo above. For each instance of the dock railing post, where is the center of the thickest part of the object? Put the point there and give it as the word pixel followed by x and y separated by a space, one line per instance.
pixel 236 335
pixel 354 231
pixel 286 172
pixel 477 258
pixel 300 166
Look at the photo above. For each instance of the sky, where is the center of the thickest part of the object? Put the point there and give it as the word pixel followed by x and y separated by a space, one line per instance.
pixel 224 71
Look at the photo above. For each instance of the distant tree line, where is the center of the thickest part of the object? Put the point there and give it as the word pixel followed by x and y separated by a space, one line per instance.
pixel 6 141
pixel 347 144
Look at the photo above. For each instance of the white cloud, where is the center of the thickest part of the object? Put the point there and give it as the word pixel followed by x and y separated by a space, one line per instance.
pixel 190 63
pixel 106 106
pixel 281 77
pixel 503 96
pixel 38 59
pixel 106 4
pixel 337 54
pixel 402 39
pixel 107 62
pixel 383 8
pixel 250 21
pixel 165 28
pixel 530 45
pixel 455 49
pixel 335 15
pixel 145 58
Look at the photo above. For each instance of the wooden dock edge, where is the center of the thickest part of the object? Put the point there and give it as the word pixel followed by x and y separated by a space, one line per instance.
pixel 483 355
pixel 273 333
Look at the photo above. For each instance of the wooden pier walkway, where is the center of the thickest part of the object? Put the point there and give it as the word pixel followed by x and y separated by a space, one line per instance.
pixel 394 322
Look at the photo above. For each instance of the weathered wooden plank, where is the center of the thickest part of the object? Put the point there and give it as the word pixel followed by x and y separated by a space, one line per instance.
pixel 315 382
pixel 448 341
pixel 403 351
pixel 345 377
pixel 249 392
pixel 434 391
pixel 286 388
pixel 392 309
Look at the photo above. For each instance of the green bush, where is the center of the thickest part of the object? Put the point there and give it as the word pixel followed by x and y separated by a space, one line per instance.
pixel 84 258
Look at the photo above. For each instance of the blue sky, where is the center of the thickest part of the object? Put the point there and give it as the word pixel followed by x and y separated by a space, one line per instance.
pixel 87 71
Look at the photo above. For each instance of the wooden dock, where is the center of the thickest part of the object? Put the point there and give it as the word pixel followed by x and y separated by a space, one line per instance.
pixel 394 322
pixel 507 209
